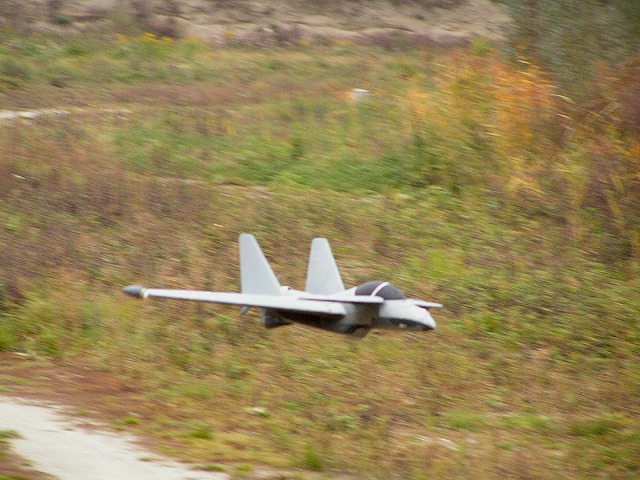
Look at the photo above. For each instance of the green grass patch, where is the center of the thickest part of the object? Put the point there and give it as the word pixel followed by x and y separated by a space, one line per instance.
pixel 7 334
pixel 242 471
pixel 129 421
pixel 8 434
pixel 464 420
pixel 595 427
pixel 528 422
pixel 213 467
pixel 311 459
pixel 202 432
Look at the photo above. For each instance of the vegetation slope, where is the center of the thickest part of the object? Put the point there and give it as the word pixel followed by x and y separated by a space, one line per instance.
pixel 466 178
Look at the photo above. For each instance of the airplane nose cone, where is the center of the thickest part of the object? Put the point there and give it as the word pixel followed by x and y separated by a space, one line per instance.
pixel 134 290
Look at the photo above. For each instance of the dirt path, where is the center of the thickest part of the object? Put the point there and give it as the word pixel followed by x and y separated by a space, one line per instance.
pixel 11 115
pixel 54 444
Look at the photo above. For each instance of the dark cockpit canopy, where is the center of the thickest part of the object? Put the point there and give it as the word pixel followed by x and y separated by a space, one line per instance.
pixel 380 289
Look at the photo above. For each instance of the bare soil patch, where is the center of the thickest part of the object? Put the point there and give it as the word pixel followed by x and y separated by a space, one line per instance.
pixel 94 400
pixel 279 22
pixel 97 394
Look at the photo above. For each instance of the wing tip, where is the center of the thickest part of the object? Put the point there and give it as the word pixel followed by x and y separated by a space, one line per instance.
pixel 247 237
pixel 136 291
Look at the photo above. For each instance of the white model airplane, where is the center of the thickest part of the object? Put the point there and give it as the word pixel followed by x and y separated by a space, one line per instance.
pixel 324 304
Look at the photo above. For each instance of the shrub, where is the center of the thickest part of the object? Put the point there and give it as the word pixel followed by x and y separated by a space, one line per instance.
pixel 15 69
pixel 10 83
pixel 311 459
pixel 7 338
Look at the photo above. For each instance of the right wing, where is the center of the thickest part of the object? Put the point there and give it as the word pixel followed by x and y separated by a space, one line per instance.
pixel 423 304
pixel 272 302
pixel 352 299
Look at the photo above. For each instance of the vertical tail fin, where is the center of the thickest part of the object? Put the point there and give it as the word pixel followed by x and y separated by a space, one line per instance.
pixel 256 276
pixel 323 276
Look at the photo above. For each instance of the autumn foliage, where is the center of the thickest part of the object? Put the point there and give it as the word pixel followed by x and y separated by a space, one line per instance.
pixel 509 128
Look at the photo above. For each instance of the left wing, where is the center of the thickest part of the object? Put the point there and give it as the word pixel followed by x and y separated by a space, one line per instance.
pixel 274 302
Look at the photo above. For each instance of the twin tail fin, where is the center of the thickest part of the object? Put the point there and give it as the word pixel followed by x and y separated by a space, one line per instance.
pixel 257 277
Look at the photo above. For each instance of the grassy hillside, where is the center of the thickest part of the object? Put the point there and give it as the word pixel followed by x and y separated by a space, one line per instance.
pixel 464 179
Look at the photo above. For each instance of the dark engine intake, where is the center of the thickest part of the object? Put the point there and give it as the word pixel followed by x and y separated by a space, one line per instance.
pixel 269 320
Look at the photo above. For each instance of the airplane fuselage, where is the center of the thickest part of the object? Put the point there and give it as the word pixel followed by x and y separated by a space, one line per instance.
pixel 358 319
